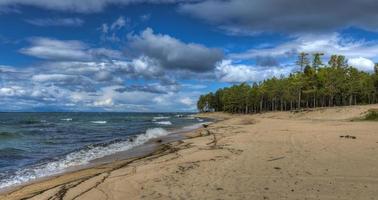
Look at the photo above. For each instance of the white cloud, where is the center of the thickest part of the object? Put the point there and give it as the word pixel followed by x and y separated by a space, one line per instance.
pixel 85 86
pixel 119 23
pixel 104 102
pixel 113 32
pixel 52 77
pixel 47 48
pixel 328 43
pixel 56 22
pixel 145 17
pixel 73 50
pixel 187 101
pixel 12 91
pixel 362 64
pixel 141 67
pixel 104 28
pixel 227 71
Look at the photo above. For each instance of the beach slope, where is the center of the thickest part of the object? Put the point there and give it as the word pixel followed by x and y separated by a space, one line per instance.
pixel 315 154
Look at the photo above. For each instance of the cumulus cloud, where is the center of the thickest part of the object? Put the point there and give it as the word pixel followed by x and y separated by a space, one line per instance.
pixel 104 102
pixel 188 101
pixel 56 22
pixel 289 16
pixel 328 44
pixel 362 64
pixel 96 85
pixel 73 50
pixel 12 91
pixel 227 71
pixel 174 54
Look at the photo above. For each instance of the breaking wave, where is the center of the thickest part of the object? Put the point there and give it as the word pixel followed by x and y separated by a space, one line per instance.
pixel 99 122
pixel 159 118
pixel 77 158
pixel 166 123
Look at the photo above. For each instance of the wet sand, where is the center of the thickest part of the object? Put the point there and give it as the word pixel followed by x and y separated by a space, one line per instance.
pixel 278 155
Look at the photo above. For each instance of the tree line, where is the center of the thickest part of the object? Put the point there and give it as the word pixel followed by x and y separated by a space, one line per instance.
pixel 314 85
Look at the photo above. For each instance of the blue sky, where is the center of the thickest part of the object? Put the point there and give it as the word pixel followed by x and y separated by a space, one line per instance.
pixel 160 55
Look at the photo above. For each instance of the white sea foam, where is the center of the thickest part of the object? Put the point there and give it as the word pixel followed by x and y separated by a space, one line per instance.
pixel 194 126
pixel 78 158
pixel 166 123
pixel 67 119
pixel 190 117
pixel 159 118
pixel 99 122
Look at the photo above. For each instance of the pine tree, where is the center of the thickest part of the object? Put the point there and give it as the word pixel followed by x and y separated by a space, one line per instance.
pixel 302 60
pixel 342 62
pixel 335 85
pixel 317 60
pixel 333 61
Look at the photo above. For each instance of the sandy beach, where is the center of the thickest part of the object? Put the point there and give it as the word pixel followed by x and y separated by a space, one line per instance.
pixel 277 155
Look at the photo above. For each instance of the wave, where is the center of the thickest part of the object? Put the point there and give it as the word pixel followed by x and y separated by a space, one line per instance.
pixel 81 157
pixel 167 123
pixel 195 126
pixel 159 118
pixel 190 117
pixel 99 122
pixel 67 119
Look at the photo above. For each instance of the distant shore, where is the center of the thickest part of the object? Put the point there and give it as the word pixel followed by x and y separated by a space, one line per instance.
pixel 314 154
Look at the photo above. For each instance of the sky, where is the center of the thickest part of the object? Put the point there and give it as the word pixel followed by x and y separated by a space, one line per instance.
pixel 160 55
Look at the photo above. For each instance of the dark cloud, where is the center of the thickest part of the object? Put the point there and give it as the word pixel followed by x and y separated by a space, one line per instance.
pixel 70 82
pixel 267 61
pixel 81 6
pixel 141 88
pixel 172 54
pixel 165 86
pixel 289 16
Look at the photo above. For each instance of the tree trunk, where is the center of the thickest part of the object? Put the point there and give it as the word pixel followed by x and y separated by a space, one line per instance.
pixel 261 105
pixel 299 100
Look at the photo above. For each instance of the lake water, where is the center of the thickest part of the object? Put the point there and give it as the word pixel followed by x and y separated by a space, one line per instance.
pixel 35 145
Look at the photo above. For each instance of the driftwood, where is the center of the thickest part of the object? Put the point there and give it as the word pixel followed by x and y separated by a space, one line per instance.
pixel 208 132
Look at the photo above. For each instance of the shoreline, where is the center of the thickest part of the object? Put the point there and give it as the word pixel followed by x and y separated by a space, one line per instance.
pixel 151 148
pixel 277 155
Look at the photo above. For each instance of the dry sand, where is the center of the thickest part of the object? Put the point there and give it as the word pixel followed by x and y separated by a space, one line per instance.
pixel 279 155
